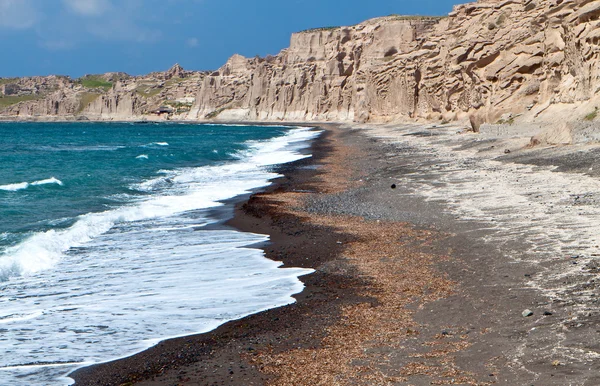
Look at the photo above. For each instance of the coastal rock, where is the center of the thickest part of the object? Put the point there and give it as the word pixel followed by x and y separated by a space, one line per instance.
pixel 485 60
pixel 110 96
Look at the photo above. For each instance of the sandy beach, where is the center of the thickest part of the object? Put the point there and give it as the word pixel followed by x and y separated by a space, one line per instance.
pixel 440 257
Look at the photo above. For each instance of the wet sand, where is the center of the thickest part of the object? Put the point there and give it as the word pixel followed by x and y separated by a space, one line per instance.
pixel 424 283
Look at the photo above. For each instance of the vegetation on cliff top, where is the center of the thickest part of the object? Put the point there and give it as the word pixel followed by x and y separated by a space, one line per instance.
pixel 415 17
pixel 9 100
pixel 173 81
pixel 390 17
pixel 319 29
pixel 94 81
pixel 8 80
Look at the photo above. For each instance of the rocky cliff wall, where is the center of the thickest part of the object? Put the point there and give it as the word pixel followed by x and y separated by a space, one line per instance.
pixel 111 96
pixel 490 61
pixel 487 61
pixel 321 76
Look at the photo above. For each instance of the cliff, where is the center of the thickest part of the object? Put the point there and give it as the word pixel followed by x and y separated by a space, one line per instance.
pixel 111 96
pixel 490 61
pixel 325 75
pixel 486 62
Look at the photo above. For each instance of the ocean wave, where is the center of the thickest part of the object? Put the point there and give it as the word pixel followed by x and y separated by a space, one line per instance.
pixel 155 144
pixel 15 187
pixel 11 318
pixel 24 185
pixel 48 181
pixel 180 191
pixel 142 156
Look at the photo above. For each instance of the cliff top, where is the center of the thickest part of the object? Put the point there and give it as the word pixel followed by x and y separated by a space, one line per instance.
pixel 393 17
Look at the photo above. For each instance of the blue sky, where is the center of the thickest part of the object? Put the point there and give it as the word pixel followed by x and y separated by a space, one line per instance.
pixel 77 37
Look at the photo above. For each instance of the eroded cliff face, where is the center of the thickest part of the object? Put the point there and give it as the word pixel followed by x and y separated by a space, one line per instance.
pixel 485 61
pixel 111 96
pixel 488 61
pixel 322 75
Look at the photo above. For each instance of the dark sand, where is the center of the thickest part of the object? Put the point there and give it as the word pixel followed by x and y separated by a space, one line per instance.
pixel 402 294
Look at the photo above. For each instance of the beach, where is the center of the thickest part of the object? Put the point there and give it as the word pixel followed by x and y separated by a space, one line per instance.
pixel 440 257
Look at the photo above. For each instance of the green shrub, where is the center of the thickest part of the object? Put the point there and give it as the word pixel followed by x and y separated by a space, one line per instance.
pixel 8 80
pixel 172 81
pixel 6 101
pixel 95 81
pixel 416 17
pixel 509 121
pixel 179 107
pixel 319 29
pixel 148 91
pixel 591 116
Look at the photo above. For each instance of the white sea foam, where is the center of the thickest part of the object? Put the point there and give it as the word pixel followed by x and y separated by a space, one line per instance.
pixel 24 185
pixel 142 156
pixel 189 189
pixel 48 181
pixel 12 318
pixel 154 144
pixel 142 273
pixel 14 187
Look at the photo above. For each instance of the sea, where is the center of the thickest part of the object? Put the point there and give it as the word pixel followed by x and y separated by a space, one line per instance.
pixel 111 238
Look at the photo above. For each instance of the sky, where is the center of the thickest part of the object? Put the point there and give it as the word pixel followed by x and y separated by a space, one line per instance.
pixel 78 37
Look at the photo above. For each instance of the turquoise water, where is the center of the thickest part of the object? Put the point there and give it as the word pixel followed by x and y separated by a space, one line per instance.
pixel 98 165
pixel 103 240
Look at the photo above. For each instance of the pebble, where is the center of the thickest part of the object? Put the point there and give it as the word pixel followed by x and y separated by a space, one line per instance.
pixel 527 313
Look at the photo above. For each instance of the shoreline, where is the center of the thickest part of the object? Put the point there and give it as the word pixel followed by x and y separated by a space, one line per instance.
pixel 250 350
pixel 409 288
pixel 129 368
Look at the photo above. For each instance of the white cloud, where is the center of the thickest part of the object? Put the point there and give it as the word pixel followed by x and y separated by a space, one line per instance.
pixel 88 7
pixel 18 14
pixel 192 42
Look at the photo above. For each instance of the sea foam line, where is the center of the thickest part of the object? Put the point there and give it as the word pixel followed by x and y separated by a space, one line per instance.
pixel 24 185
pixel 189 189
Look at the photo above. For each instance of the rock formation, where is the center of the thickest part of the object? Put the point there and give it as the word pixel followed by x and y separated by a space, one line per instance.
pixel 485 61
pixel 111 96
